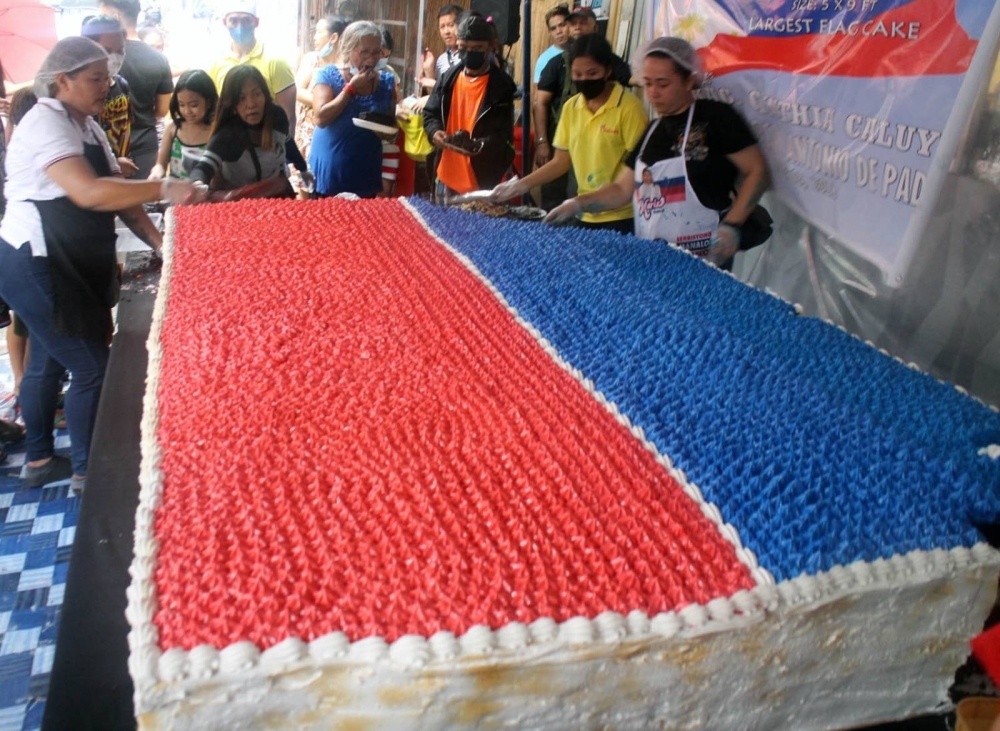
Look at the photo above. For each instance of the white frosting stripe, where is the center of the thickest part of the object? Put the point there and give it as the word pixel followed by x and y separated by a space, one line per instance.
pixel 144 654
pixel 761 576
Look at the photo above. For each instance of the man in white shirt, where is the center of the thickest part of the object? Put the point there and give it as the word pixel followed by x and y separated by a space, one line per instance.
pixel 448 28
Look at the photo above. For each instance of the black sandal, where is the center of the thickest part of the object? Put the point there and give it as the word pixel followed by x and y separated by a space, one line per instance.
pixel 11 433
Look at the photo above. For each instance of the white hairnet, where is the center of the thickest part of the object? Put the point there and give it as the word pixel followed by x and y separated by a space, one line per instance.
pixel 68 55
pixel 680 51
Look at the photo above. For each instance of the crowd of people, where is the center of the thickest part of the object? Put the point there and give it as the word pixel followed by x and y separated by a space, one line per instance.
pixel 87 143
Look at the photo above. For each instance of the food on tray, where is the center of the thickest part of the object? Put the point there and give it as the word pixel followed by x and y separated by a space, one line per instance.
pixel 499 210
pixel 462 141
pixel 378 118
pixel 494 210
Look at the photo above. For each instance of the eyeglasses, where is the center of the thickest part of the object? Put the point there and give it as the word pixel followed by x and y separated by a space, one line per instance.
pixel 235 21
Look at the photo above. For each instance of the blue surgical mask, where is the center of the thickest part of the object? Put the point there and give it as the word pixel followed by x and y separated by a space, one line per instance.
pixel 354 70
pixel 241 35
pixel 383 64
pixel 326 50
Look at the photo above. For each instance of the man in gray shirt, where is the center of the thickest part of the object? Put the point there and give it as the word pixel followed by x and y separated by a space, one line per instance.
pixel 147 72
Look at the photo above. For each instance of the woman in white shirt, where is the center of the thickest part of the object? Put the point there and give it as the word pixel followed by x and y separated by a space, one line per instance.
pixel 58 268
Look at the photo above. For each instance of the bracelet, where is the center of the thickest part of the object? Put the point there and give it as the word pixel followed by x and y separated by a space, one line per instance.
pixel 541 141
pixel 349 90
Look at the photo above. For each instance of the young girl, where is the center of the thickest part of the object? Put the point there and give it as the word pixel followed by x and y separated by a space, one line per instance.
pixel 192 109
pixel 251 141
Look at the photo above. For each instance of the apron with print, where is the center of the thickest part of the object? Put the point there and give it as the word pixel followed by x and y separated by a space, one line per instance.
pixel 80 245
pixel 665 205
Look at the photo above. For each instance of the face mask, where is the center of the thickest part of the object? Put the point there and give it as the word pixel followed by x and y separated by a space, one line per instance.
pixel 473 59
pixel 241 35
pixel 326 50
pixel 591 88
pixel 383 64
pixel 115 61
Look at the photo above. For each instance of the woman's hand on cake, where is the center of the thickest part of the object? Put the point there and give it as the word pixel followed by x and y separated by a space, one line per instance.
pixel 182 192
pixel 505 191
pixel 725 244
pixel 564 212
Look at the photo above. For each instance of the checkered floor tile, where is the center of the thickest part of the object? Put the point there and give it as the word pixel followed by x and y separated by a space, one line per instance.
pixel 37 527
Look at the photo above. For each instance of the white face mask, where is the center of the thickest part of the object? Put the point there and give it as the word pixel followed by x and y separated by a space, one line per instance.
pixel 383 63
pixel 115 61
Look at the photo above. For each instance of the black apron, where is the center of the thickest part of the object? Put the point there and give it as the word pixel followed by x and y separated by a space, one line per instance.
pixel 80 245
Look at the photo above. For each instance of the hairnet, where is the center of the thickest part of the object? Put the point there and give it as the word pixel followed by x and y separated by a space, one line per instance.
pixel 682 53
pixel 68 55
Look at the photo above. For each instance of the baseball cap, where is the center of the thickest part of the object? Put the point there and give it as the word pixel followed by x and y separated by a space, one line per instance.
pixel 581 12
pixel 474 27
pixel 239 6
pixel 682 52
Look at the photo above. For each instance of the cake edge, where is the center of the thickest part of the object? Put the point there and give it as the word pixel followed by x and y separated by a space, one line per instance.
pixel 150 667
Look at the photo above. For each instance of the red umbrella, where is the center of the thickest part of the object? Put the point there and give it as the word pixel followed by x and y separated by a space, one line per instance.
pixel 27 32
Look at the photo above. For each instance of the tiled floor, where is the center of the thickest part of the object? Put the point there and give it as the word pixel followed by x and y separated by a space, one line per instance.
pixel 37 527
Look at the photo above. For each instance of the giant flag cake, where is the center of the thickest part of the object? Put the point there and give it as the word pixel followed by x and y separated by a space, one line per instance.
pixel 410 468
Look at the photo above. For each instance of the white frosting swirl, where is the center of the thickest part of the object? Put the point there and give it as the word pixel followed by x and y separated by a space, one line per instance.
pixel 204 661
pixel 666 624
pixel 410 651
pixel 477 641
pixel 284 653
pixel 576 631
pixel 544 630
pixel 514 636
pixel 238 657
pixel 369 651
pixel 445 646
pixel 332 646
pixel 611 627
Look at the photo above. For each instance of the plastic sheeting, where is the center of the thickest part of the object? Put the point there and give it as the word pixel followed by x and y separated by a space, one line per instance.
pixel 943 314
pixel 945 318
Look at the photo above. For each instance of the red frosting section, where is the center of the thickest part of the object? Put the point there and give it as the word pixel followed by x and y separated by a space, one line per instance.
pixel 357 436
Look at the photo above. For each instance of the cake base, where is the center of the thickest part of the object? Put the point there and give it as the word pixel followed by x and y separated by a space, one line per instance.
pixel 853 640
pixel 854 646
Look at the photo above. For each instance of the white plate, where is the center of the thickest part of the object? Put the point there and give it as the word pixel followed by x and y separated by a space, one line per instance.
pixel 375 127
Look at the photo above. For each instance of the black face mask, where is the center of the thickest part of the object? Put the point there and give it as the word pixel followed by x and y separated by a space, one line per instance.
pixel 591 88
pixel 473 60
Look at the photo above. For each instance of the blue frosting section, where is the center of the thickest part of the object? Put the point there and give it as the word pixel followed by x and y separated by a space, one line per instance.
pixel 817 448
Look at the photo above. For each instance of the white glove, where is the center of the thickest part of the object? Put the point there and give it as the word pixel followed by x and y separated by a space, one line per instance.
pixel 181 192
pixel 725 244
pixel 505 191
pixel 157 172
pixel 308 184
pixel 564 213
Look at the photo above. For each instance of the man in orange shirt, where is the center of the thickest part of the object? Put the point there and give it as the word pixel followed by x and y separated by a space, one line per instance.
pixel 478 98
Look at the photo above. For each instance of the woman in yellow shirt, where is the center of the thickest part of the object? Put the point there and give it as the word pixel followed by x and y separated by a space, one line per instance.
pixel 597 129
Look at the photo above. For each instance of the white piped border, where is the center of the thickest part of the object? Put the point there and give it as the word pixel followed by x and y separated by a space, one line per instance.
pixel 149 666
pixel 761 576
pixel 143 637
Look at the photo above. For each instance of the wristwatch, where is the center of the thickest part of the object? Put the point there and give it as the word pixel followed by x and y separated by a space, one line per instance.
pixel 541 141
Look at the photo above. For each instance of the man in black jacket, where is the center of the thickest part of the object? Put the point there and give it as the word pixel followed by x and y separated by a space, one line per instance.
pixel 477 98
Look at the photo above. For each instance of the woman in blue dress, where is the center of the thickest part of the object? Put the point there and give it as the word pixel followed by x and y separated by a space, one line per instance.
pixel 346 158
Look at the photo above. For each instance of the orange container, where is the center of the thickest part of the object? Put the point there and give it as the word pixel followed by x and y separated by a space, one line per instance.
pixel 976 714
